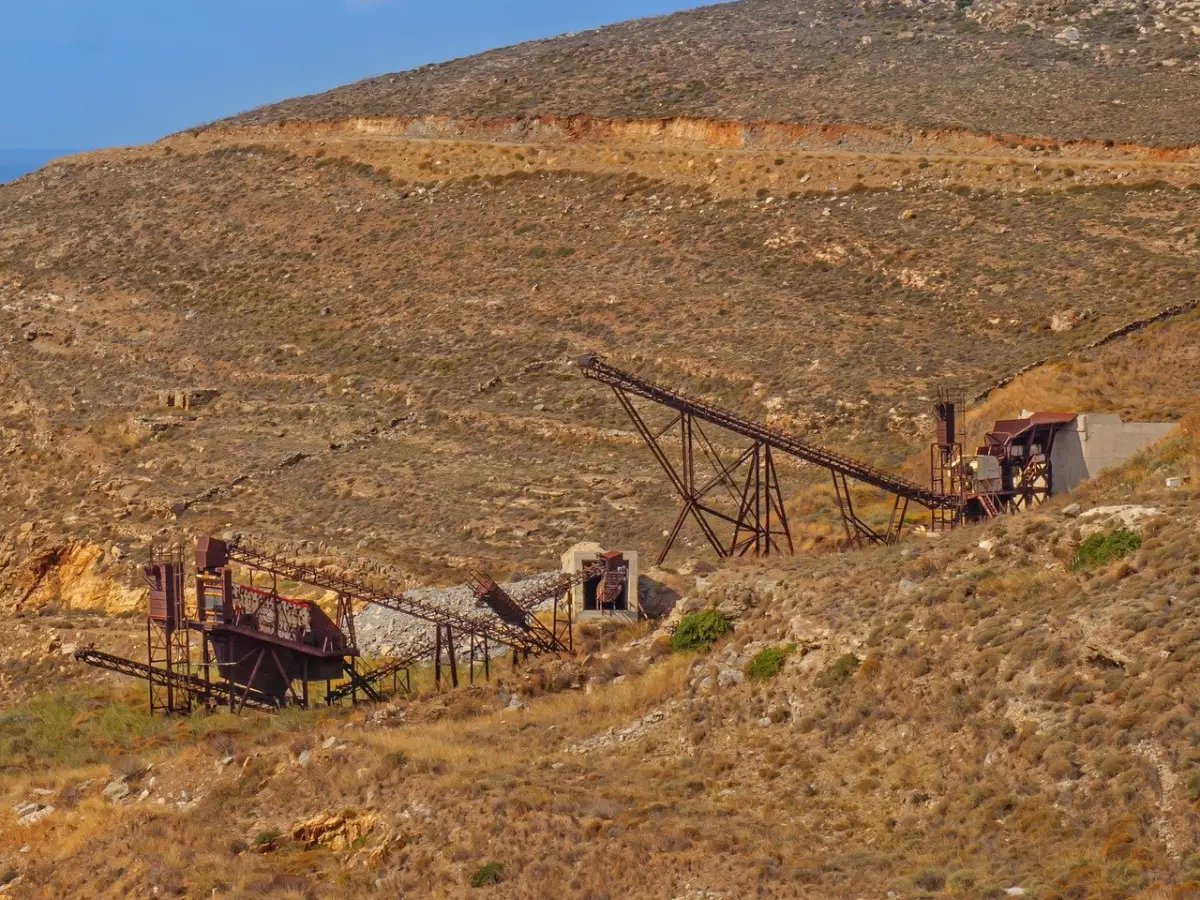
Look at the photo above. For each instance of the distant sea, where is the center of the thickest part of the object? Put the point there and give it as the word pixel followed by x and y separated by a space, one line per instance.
pixel 15 163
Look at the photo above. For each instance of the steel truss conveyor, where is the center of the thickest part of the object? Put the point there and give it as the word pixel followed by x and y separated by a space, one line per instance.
pixel 495 630
pixel 749 484
pixel 518 613
pixel 221 691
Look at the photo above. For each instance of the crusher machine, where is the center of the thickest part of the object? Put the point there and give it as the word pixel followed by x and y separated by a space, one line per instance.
pixel 230 643
pixel 227 643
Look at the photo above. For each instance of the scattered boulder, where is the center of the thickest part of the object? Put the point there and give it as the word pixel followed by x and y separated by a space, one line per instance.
pixel 1106 518
pixel 32 813
pixel 730 677
pixel 343 830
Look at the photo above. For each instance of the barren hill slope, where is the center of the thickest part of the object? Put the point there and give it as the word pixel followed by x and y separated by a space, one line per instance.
pixel 1117 71
pixel 393 361
pixel 348 324
pixel 387 307
pixel 961 718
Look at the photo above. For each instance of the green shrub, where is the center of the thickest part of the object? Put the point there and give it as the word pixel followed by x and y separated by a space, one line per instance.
pixel 267 837
pixel 488 874
pixel 538 253
pixel 1101 549
pixel 563 252
pixel 842 668
pixel 767 663
pixel 397 760
pixel 700 630
pixel 929 880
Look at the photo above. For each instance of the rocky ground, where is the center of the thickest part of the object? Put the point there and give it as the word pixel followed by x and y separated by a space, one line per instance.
pixel 964 716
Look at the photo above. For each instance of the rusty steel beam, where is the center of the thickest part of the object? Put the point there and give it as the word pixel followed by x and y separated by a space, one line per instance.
pixel 594 368
pixel 519 612
pixel 194 686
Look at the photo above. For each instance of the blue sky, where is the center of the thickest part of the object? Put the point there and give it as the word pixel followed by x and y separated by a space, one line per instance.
pixel 99 73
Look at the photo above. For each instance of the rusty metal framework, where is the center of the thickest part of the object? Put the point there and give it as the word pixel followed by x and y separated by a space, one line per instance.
pixel 947 473
pixel 557 637
pixel 1023 448
pixel 553 639
pixel 191 685
pixel 753 514
pixel 497 630
pixel 258 648
pixel 168 643
pixel 255 646
pixel 1009 473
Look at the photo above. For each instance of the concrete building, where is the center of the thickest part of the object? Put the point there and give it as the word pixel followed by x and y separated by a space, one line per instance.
pixel 1093 442
pixel 584 603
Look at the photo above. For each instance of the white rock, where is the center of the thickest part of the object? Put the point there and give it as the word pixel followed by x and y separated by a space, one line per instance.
pixel 764 722
pixel 304 758
pixel 1070 34
pixel 35 815
pixel 1103 518
pixel 729 677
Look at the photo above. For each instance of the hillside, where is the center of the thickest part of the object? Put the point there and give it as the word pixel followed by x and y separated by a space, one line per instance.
pixel 381 368
pixel 1120 71
pixel 955 718
pixel 347 325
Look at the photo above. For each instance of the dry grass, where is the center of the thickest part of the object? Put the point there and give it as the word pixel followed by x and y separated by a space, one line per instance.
pixel 1007 723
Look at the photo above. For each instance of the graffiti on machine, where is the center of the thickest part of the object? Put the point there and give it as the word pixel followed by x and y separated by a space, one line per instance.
pixel 288 619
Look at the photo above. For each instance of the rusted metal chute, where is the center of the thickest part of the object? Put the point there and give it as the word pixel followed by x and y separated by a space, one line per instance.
pixel 230 643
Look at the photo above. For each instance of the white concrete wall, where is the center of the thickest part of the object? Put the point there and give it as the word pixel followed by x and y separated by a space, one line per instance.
pixel 579 556
pixel 1098 441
